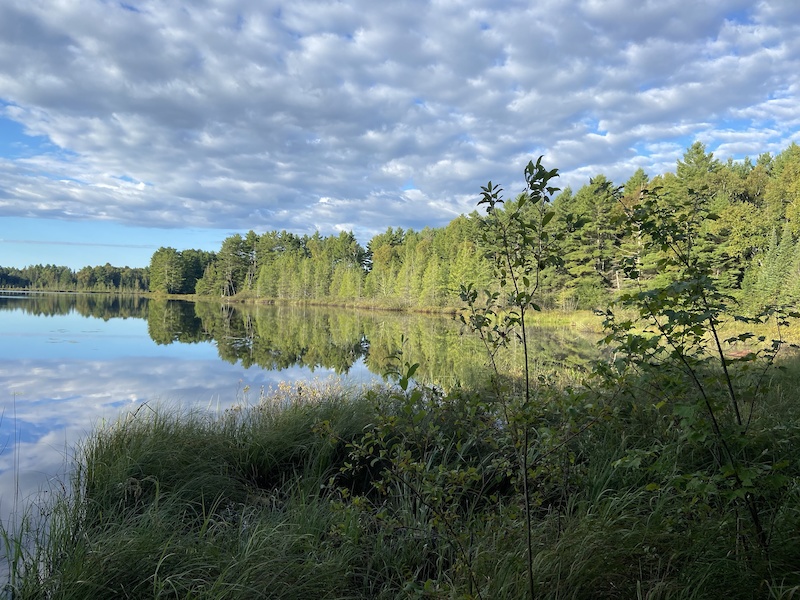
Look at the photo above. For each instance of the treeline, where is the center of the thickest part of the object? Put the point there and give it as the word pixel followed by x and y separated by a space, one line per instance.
pixel 398 267
pixel 401 268
pixel 748 214
pixel 53 278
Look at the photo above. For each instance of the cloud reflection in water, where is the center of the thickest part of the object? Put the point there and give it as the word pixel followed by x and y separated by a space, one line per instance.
pixel 51 402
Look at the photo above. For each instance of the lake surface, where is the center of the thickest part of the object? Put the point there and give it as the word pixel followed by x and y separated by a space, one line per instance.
pixel 70 362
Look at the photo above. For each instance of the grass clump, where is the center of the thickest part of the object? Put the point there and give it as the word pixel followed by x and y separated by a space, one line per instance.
pixel 190 505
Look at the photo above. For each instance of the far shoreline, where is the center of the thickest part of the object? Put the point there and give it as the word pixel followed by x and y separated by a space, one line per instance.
pixel 585 320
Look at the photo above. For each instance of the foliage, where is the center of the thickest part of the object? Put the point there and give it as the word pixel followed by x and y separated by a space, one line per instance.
pixel 174 272
pixel 425 269
pixel 105 278
pixel 718 451
pixel 521 245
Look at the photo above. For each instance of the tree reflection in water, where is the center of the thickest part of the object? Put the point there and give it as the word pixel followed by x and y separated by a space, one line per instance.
pixel 277 337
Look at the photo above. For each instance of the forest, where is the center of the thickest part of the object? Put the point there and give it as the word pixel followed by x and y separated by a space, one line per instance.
pixel 750 224
pixel 53 278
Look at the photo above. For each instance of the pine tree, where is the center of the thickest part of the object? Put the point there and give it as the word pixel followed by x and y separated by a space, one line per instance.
pixel 232 263
pixel 589 246
pixel 783 188
pixel 774 270
pixel 166 271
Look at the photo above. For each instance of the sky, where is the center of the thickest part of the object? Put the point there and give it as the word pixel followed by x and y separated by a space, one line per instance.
pixel 127 126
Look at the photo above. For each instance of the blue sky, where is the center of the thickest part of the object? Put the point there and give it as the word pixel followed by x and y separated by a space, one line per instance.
pixel 129 126
pixel 38 240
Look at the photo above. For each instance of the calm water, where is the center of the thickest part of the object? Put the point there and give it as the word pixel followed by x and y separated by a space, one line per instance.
pixel 71 362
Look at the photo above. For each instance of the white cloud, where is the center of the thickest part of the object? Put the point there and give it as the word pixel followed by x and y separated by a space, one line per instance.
pixel 240 114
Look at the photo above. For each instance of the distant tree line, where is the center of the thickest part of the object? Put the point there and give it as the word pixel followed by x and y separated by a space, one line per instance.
pixel 750 213
pixel 105 278
pixel 399 268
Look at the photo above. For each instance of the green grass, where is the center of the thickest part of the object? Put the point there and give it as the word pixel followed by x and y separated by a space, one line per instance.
pixel 379 494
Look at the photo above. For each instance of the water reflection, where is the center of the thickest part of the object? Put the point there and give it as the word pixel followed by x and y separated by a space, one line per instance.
pixel 101 306
pixel 69 362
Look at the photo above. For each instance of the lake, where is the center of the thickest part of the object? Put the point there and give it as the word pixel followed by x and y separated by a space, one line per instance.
pixel 72 362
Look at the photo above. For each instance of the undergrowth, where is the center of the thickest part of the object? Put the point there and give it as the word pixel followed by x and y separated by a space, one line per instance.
pixel 409 493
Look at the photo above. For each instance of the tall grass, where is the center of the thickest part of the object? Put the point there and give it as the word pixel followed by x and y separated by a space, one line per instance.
pixel 189 505
pixel 358 494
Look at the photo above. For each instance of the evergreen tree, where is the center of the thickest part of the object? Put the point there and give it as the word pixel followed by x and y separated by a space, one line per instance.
pixel 166 271
pixel 250 252
pixel 194 267
pixel 774 269
pixel 232 264
pixel 210 284
pixel 422 255
pixel 783 193
pixel 635 185
pixel 435 280
pixel 409 272
pixel 695 171
pixel 790 291
pixel 384 261
pixel 589 245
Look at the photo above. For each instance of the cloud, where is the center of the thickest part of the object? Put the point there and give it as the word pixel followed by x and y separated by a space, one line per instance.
pixel 245 114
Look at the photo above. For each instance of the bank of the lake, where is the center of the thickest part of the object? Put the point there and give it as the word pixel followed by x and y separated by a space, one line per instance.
pixel 336 492
pixel 70 362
